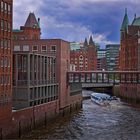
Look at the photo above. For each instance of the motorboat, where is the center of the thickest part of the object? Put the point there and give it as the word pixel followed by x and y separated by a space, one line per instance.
pixel 102 99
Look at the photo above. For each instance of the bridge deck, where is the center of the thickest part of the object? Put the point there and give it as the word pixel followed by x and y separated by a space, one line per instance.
pixel 104 77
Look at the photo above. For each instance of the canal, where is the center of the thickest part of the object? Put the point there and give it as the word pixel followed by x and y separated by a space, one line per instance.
pixel 119 121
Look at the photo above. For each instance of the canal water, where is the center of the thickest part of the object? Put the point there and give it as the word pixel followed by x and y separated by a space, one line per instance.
pixel 119 121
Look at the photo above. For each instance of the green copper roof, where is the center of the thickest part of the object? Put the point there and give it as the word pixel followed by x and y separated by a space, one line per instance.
pixel 136 21
pixel 17 30
pixel 125 22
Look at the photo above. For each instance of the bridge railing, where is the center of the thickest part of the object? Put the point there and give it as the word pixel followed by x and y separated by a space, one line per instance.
pixel 114 77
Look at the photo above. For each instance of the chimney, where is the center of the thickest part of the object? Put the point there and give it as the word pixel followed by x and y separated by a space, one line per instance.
pixel 39 22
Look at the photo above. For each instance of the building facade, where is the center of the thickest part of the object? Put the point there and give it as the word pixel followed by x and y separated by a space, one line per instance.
pixel 76 45
pixel 112 52
pixel 42 64
pixel 34 80
pixel 6 10
pixel 85 57
pixel 34 69
pixel 130 44
pixel 101 59
pixel 129 56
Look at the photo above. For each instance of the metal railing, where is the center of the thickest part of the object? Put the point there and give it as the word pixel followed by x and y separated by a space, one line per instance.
pixel 113 77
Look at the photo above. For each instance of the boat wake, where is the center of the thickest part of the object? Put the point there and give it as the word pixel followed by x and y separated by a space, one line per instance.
pixel 103 99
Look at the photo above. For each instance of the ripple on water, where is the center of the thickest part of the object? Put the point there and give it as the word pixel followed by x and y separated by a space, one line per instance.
pixel 115 122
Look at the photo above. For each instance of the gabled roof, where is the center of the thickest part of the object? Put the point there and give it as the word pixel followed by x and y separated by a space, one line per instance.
pixel 31 21
pixel 136 21
pixel 125 22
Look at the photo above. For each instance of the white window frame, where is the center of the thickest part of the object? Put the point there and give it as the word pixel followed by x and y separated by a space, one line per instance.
pixel 55 48
pixel 42 49
pixel 17 48
pixel 25 46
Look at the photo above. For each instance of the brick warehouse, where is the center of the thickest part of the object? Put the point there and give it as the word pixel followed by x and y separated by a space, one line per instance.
pixel 129 56
pixel 57 48
pixel 6 8
pixel 34 71
pixel 85 58
pixel 40 87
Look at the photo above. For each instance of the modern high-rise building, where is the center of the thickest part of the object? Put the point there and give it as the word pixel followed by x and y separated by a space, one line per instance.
pixel 112 52
pixel 6 10
pixel 101 62
pixel 76 45
pixel 84 57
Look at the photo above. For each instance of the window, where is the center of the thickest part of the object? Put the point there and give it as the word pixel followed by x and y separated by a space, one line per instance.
pixel 9 27
pixel 2 24
pixel 2 43
pixel 5 62
pixel 8 62
pixel 44 48
pixel 9 43
pixel 53 48
pixel 1 61
pixel 5 7
pixel 25 48
pixel 35 48
pixel 15 37
pixel 17 48
pixel 81 57
pixel 2 6
pixel 5 43
pixel 9 9
pixel 5 25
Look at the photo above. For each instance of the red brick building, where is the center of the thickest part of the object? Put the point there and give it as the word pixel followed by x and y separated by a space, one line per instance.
pixel 129 55
pixel 30 31
pixel 56 49
pixel 85 58
pixel 6 10
pixel 130 45
pixel 40 69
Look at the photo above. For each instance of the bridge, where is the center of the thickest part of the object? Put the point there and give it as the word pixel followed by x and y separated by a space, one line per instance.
pixel 103 77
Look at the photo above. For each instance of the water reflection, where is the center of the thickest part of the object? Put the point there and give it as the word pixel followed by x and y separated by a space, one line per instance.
pixel 114 122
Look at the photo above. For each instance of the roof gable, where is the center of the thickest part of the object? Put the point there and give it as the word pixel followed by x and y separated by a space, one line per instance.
pixel 31 21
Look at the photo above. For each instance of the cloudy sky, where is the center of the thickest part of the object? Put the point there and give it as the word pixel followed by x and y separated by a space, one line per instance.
pixel 73 20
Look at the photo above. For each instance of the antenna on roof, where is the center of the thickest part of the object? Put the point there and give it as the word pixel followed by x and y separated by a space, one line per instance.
pixel 135 16
pixel 125 10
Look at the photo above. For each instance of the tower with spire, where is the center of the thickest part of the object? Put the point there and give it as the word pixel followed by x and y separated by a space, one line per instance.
pixel 129 44
pixel 31 30
pixel 86 43
pixel 129 55
pixel 91 42
pixel 125 22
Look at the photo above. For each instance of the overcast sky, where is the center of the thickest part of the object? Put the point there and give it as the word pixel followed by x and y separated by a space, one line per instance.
pixel 73 20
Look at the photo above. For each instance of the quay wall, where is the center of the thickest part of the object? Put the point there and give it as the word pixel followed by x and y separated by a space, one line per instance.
pixel 130 92
pixel 24 120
